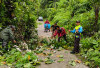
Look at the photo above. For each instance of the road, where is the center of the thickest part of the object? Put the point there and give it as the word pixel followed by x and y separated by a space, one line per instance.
pixel 67 56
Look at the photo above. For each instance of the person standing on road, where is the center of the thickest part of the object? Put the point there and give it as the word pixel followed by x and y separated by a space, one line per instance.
pixel 6 35
pixel 47 25
pixel 77 30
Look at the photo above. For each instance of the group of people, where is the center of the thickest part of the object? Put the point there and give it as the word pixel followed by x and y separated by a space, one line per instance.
pixel 7 34
pixel 61 32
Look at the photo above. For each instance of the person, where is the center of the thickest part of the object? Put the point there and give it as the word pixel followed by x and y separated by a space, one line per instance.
pixel 53 28
pixel 61 32
pixel 77 30
pixel 47 22
pixel 6 35
pixel 47 25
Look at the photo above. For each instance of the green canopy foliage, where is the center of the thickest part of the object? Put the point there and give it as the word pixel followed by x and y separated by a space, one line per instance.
pixel 21 13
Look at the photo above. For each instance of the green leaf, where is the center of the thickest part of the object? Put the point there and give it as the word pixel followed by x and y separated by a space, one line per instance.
pixel 28 65
pixel 60 48
pixel 94 42
pixel 50 54
pixel 95 58
pixel 72 63
pixel 61 56
pixel 49 61
pixel 38 52
pixel 41 60
pixel 9 64
pixel 36 63
pixel 60 60
pixel 87 63
pixel 66 51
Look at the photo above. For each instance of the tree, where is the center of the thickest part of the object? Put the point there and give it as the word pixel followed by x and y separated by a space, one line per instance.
pixel 96 5
pixel 48 3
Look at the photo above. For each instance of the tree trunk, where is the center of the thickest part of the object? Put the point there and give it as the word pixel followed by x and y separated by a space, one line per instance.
pixel 96 16
pixel 72 15
pixel 0 1
pixel 55 4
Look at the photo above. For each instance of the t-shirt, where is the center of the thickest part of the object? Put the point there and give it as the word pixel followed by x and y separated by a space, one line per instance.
pixel 60 32
pixel 47 22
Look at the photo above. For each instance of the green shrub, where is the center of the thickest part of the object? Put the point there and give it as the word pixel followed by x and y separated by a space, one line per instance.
pixel 90 49
pixel 16 59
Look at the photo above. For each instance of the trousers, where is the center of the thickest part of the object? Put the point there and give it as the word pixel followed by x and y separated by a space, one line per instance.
pixel 76 45
pixel 64 36
pixel 4 45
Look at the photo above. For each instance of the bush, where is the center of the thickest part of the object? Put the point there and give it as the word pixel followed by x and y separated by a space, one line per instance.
pixel 17 59
pixel 90 49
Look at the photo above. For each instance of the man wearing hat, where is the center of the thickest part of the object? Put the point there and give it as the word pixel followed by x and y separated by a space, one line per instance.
pixel 77 30
pixel 53 28
pixel 6 35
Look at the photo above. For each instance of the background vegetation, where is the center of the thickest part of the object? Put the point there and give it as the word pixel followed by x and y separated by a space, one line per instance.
pixel 23 14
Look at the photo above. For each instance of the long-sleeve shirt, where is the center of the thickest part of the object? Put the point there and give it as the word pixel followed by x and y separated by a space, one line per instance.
pixel 79 28
pixel 47 22
pixel 60 32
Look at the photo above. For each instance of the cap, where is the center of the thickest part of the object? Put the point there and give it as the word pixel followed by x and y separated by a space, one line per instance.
pixel 77 21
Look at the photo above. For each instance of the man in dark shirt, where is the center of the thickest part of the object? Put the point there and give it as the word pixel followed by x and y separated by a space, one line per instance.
pixel 53 28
